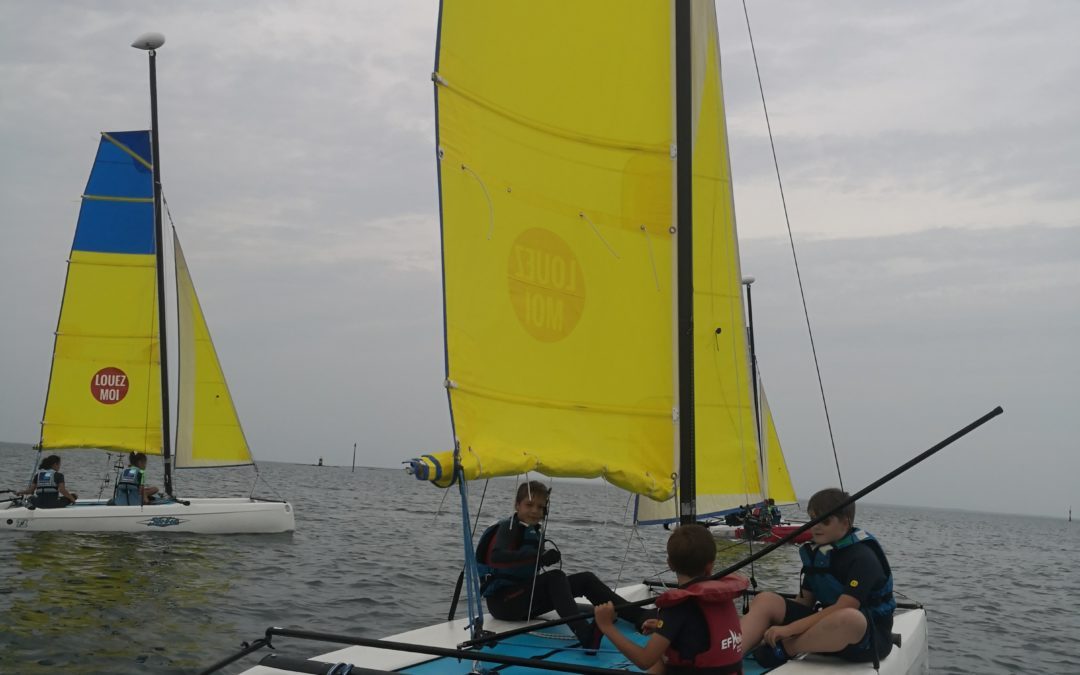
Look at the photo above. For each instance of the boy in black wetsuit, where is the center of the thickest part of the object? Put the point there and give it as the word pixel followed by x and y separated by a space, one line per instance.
pixel 509 556
pixel 697 630
pixel 844 571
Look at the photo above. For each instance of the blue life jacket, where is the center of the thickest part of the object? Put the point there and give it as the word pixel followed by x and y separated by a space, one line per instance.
pixel 46 484
pixel 127 487
pixel 827 589
pixel 496 576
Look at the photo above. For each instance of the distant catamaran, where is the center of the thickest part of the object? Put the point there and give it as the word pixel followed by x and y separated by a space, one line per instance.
pixel 109 385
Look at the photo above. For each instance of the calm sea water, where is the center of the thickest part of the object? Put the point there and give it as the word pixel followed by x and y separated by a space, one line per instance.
pixel 370 557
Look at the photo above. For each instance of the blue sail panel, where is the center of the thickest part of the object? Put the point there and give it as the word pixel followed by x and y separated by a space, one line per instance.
pixel 117 214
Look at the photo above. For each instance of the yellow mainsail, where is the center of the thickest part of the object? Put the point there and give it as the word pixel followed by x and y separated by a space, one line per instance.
pixel 105 383
pixel 208 431
pixel 557 169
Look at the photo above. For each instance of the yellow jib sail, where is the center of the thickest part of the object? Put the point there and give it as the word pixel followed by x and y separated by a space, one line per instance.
pixel 778 481
pixel 105 384
pixel 208 431
pixel 557 165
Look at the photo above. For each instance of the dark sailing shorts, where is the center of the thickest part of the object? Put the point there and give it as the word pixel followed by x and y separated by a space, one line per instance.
pixel 859 652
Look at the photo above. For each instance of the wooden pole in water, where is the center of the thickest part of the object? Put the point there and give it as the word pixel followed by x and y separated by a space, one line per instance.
pixel 354 457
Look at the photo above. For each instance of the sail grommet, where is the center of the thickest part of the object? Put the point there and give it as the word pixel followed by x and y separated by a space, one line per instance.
pixel 672 229
pixel 450 384
pixel 440 153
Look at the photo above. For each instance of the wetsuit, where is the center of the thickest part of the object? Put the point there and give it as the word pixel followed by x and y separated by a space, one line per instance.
pixel 506 558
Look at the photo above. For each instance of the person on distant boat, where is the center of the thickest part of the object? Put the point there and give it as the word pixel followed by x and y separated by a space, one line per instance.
pixel 47 486
pixel 130 488
pixel 509 556
pixel 697 629
pixel 775 517
pixel 845 572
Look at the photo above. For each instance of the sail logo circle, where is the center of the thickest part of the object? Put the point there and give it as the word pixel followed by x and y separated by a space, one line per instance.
pixel 109 385
pixel 547 284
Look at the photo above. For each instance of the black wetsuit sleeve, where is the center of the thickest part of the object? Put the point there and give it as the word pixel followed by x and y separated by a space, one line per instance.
pixel 860 572
pixel 510 545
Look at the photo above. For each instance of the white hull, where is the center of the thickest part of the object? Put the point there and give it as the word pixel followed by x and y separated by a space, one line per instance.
pixel 910 659
pixel 232 515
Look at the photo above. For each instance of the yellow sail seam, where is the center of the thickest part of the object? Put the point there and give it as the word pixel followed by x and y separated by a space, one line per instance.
pixel 561 208
pixel 128 150
pixel 134 262
pixel 548 129
pixel 131 200
pixel 559 405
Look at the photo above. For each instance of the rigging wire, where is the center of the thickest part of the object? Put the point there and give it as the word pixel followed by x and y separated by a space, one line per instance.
pixel 791 240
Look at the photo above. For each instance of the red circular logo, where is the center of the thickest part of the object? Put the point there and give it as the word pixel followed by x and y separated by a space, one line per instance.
pixel 109 385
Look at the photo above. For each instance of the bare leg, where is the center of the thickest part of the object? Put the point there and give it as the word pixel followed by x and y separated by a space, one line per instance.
pixel 831 634
pixel 766 610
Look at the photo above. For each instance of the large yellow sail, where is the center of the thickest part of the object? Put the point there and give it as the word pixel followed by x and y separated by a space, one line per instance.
pixel 208 431
pixel 557 165
pixel 105 383
pixel 555 173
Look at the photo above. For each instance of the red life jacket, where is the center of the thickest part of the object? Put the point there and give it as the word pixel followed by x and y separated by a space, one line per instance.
pixel 725 634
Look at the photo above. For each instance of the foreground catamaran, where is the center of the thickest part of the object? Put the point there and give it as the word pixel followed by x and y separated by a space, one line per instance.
pixel 594 316
pixel 109 386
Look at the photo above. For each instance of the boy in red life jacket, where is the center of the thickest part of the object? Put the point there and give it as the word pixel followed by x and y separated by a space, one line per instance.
pixel 845 572
pixel 697 630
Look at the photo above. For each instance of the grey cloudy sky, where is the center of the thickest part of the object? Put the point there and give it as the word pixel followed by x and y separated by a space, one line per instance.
pixel 929 153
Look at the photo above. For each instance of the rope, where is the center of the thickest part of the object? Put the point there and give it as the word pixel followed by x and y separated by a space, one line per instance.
pixel 791 239
pixel 652 259
pixel 597 232
pixel 491 206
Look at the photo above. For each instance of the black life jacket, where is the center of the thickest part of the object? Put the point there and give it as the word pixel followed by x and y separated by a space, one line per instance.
pixel 827 589
pixel 496 576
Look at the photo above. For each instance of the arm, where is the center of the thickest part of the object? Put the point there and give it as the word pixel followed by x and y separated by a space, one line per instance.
pixel 62 488
pixel 29 489
pixel 643 657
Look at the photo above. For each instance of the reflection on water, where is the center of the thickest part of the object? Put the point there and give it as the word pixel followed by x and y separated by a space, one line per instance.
pixel 72 588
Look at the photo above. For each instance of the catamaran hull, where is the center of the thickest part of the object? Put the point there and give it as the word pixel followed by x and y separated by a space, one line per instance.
pixel 775 534
pixel 201 516
pixel 556 643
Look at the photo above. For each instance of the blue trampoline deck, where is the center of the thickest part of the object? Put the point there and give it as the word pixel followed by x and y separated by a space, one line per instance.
pixel 554 645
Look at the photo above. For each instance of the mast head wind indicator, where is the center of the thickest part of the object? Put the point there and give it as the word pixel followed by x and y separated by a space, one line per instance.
pixel 149 41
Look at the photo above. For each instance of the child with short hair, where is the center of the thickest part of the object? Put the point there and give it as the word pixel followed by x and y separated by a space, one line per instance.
pixel 844 571
pixel 698 627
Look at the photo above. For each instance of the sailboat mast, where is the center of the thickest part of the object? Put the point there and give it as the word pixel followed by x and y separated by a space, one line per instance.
pixel 762 461
pixel 684 144
pixel 151 42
